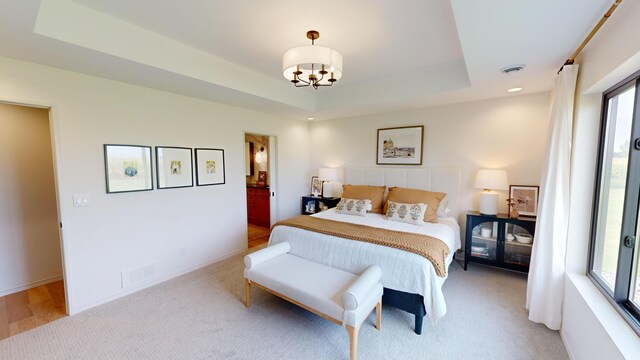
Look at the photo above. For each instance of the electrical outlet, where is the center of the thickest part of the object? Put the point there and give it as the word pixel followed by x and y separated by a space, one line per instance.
pixel 181 251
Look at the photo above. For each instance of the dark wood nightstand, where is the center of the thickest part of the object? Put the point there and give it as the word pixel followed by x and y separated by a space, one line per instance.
pixel 312 204
pixel 497 240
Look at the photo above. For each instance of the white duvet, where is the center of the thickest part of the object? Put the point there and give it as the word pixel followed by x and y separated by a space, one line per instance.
pixel 401 270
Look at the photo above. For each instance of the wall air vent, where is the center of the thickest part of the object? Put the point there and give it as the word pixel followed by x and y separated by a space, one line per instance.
pixel 140 275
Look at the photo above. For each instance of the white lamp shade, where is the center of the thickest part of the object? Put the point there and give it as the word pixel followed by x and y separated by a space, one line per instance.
pixel 328 174
pixel 304 56
pixel 491 180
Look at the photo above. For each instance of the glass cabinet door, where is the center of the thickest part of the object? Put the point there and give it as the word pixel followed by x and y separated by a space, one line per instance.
pixel 517 245
pixel 484 240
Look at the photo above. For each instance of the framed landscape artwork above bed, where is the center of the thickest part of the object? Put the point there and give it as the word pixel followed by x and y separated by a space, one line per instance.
pixel 400 145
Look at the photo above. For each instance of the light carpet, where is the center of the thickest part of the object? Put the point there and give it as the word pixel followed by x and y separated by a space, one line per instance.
pixel 201 315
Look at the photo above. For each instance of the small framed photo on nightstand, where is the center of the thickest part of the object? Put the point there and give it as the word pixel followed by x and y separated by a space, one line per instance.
pixel 316 186
pixel 526 198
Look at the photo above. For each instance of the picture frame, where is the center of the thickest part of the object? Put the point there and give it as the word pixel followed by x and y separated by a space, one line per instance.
pixel 316 186
pixel 400 145
pixel 262 178
pixel 174 167
pixel 127 168
pixel 210 166
pixel 528 196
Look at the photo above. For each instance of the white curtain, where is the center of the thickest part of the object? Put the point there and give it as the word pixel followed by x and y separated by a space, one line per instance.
pixel 545 288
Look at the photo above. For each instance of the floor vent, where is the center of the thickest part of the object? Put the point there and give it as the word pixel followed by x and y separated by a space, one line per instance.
pixel 140 275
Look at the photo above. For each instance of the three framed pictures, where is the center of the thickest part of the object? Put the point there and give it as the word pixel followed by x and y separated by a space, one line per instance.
pixel 400 146
pixel 129 168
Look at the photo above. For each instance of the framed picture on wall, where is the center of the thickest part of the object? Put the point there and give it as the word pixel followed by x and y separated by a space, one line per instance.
pixel 526 196
pixel 209 167
pixel 127 168
pixel 400 146
pixel 174 167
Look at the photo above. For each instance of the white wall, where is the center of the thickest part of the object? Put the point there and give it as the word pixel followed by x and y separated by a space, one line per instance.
pixel 123 231
pixel 29 240
pixel 611 56
pixel 507 133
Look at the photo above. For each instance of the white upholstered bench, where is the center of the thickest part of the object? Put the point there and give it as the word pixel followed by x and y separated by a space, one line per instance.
pixel 336 295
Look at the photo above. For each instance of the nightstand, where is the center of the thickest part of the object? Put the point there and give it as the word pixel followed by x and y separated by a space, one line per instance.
pixel 312 204
pixel 499 241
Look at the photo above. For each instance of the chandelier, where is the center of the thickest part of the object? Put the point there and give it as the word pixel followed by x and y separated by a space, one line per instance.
pixel 312 65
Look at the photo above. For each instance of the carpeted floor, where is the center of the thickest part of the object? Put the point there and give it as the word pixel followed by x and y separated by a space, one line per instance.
pixel 202 316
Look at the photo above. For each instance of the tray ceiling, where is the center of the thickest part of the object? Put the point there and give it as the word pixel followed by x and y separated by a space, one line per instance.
pixel 397 55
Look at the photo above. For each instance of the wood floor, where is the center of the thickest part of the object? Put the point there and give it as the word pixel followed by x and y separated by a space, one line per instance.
pixel 258 235
pixel 31 308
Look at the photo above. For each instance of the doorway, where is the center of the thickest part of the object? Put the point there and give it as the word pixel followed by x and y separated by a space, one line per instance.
pixel 260 184
pixel 32 289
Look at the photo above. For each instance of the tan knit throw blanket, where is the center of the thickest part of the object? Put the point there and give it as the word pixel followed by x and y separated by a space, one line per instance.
pixel 433 249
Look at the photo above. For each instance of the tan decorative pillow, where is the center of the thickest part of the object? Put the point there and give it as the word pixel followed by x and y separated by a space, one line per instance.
pixel 364 192
pixel 415 196
pixel 353 206
pixel 408 213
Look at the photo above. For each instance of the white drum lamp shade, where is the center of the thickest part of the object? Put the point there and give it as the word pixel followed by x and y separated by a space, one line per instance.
pixel 304 56
pixel 489 180
pixel 327 175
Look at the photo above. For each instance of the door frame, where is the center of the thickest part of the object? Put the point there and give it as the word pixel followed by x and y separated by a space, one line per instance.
pixel 55 150
pixel 273 172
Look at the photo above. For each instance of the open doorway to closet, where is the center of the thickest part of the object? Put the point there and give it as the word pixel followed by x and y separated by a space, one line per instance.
pixel 31 282
pixel 260 182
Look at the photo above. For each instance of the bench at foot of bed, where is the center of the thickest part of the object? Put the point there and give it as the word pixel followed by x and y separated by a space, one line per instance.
pixel 339 296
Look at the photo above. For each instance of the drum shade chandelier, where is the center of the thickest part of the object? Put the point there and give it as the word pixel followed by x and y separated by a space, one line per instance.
pixel 312 65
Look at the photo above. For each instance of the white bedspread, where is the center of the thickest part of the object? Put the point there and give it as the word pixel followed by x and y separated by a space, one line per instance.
pixel 401 270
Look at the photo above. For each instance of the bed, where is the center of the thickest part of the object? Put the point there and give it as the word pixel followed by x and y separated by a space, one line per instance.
pixel 410 280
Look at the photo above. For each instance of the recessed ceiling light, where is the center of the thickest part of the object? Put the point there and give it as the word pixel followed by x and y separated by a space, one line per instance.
pixel 516 89
pixel 311 118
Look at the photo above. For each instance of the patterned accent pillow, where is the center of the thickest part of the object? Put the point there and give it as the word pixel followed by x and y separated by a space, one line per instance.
pixel 408 213
pixel 415 196
pixel 353 207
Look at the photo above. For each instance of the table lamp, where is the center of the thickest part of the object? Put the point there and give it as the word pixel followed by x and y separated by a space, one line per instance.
pixel 327 175
pixel 489 180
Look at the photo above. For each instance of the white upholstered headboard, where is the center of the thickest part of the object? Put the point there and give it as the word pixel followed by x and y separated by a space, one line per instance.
pixel 447 180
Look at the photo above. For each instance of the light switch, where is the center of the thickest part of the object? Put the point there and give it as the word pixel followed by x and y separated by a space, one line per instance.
pixel 80 200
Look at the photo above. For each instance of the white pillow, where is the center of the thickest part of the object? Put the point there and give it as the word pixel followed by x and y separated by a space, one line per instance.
pixel 353 207
pixel 408 213
pixel 443 210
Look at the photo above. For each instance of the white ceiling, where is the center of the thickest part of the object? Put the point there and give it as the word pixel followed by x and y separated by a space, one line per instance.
pixel 397 54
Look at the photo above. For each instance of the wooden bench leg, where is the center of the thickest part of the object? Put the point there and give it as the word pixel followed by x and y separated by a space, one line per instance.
pixel 379 315
pixel 247 293
pixel 353 342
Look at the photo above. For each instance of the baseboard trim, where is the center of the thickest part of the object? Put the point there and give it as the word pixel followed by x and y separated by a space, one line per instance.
pixel 30 285
pixel 566 345
pixel 79 309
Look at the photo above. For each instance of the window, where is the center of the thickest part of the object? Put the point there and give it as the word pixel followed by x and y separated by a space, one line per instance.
pixel 613 260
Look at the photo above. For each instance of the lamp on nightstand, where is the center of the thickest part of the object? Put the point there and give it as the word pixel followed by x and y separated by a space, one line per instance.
pixel 489 180
pixel 327 175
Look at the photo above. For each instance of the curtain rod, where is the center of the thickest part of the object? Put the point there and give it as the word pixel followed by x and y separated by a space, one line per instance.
pixel 593 32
